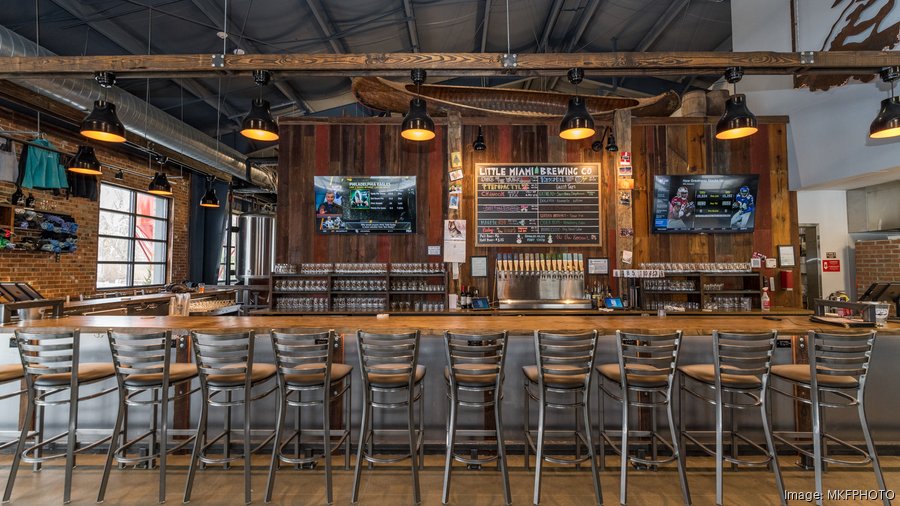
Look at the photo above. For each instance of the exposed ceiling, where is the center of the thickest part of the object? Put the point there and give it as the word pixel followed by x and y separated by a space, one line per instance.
pixel 216 105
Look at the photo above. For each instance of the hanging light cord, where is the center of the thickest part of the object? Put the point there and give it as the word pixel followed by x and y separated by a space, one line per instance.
pixel 225 29
pixel 37 40
pixel 508 45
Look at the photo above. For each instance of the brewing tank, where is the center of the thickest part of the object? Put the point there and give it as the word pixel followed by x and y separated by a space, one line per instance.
pixel 255 246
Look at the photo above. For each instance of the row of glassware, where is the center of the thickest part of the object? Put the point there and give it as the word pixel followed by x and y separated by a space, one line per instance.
pixel 415 285
pixel 417 306
pixel 697 266
pixel 681 285
pixel 301 285
pixel 728 303
pixel 367 304
pixel 361 268
pixel 360 285
pixel 301 304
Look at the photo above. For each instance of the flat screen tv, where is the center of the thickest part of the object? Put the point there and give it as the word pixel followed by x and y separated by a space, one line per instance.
pixel 365 204
pixel 704 203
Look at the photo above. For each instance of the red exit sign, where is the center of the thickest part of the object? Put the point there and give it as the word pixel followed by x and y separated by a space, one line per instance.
pixel 831 266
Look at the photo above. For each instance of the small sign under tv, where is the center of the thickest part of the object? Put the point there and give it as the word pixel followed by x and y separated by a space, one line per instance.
pixel 365 204
pixel 723 203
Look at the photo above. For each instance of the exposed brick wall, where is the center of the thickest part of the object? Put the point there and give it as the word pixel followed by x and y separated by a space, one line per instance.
pixel 76 273
pixel 877 261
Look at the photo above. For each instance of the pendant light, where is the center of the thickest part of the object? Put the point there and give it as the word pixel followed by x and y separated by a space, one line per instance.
pixel 737 121
pixel 479 144
pixel 210 199
pixel 120 175
pixel 159 185
pixel 887 123
pixel 85 162
pixel 258 124
pixel 417 125
pixel 577 124
pixel 611 145
pixel 102 123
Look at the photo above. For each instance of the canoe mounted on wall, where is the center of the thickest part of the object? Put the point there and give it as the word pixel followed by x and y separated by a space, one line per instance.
pixel 384 95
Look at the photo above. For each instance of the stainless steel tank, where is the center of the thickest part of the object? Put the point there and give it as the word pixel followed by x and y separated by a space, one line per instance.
pixel 255 245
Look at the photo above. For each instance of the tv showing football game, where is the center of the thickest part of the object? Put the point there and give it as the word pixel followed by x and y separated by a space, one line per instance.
pixel 365 204
pixel 704 203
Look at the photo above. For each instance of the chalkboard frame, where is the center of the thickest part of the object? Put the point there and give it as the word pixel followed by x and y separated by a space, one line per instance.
pixel 600 225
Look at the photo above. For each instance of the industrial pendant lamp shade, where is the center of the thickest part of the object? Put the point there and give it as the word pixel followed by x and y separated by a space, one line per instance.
pixel 887 123
pixel 210 199
pixel 160 185
pixel 85 162
pixel 577 123
pixel 479 144
pixel 417 124
pixel 259 124
pixel 737 121
pixel 102 123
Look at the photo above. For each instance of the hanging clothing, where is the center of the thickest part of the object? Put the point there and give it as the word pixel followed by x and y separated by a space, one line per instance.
pixel 42 169
pixel 9 165
pixel 82 185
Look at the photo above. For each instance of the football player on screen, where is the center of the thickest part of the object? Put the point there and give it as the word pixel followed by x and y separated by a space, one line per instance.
pixel 744 204
pixel 680 209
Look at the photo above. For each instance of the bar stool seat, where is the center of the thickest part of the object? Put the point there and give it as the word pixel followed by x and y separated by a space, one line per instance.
pixel 612 373
pixel 86 373
pixel 800 373
pixel 177 373
pixel 475 378
pixel 706 373
pixel 338 373
pixel 556 380
pixel 393 380
pixel 10 372
pixel 260 373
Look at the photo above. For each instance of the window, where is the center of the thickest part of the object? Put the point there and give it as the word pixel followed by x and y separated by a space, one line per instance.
pixel 228 259
pixel 133 238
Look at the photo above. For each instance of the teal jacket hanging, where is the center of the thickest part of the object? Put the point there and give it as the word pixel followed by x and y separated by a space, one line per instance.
pixel 42 169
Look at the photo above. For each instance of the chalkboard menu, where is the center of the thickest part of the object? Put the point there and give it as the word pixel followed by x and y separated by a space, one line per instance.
pixel 537 204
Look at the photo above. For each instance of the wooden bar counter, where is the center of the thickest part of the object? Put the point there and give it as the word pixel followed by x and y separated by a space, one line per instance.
pixel 435 325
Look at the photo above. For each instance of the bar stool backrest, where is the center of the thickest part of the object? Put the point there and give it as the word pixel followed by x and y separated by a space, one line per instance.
pixel 840 355
pixel 388 354
pixel 565 354
pixel 743 355
pixel 303 353
pixel 140 353
pixel 223 353
pixel 647 355
pixel 476 355
pixel 48 353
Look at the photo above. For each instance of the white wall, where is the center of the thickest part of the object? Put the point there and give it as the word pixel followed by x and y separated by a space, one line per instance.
pixel 828 131
pixel 828 209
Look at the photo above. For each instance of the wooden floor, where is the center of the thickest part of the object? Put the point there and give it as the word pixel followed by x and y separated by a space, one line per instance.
pixel 391 485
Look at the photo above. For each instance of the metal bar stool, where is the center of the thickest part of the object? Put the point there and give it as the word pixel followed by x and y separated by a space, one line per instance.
pixel 741 367
pixel 143 366
pixel 51 364
pixel 10 373
pixel 474 378
pixel 225 363
pixel 644 375
pixel 305 366
pixel 835 378
pixel 392 379
pixel 562 376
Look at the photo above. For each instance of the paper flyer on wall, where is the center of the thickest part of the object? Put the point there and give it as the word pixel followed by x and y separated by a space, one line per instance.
pixel 455 241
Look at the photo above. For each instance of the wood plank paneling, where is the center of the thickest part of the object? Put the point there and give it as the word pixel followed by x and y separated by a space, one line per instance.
pixel 374 147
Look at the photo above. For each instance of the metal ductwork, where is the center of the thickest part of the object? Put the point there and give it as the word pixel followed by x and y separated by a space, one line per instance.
pixel 137 116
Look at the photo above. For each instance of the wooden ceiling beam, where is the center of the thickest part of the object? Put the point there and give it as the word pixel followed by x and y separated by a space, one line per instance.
pixel 388 64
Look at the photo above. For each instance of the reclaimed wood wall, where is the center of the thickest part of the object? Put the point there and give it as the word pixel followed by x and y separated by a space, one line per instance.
pixel 354 146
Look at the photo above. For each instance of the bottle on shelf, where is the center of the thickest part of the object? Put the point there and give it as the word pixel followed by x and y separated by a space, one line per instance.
pixel 766 302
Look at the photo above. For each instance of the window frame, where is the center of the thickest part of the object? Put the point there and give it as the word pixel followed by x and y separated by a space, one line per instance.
pixel 134 239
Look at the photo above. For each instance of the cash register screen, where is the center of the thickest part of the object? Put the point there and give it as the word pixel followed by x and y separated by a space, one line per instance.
pixel 614 303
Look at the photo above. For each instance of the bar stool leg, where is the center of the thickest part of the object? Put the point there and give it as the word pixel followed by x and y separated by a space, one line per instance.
pixel 770 444
pixel 623 477
pixel 720 450
pixel 247 445
pixel 451 437
pixel 348 422
pixel 422 425
pixel 601 423
pixel 164 441
pixel 870 445
pixel 276 450
pixel 360 449
pixel 527 425
pixel 20 447
pixel 198 446
pixel 586 412
pixel 154 411
pixel 72 439
pixel 817 442
pixel 413 451
pixel 297 429
pixel 326 431
pixel 501 448
pixel 40 436
pixel 227 466
pixel 679 450
pixel 539 450
pixel 117 428
pixel 372 436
